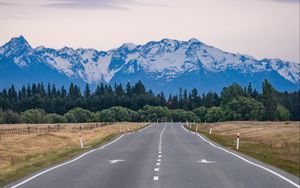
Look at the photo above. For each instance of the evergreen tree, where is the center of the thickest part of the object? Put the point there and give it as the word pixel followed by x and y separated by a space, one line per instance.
pixel 87 91
pixel 269 100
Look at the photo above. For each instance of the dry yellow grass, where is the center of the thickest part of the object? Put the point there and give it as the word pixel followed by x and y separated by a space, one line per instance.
pixel 26 148
pixel 276 143
pixel 280 135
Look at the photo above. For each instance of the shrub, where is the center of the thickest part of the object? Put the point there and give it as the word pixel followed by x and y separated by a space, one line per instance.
pixel 55 118
pixel 200 112
pixel 33 116
pixel 214 114
pixel 81 115
pixel 282 114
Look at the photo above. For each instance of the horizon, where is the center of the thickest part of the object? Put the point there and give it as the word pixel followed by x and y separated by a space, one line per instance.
pixel 99 50
pixel 256 28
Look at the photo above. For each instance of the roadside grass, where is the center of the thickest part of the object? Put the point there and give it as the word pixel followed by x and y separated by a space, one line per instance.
pixel 285 158
pixel 64 147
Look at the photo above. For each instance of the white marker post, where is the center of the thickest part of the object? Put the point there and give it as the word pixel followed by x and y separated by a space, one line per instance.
pixel 210 129
pixel 120 129
pixel 237 141
pixel 196 129
pixel 80 139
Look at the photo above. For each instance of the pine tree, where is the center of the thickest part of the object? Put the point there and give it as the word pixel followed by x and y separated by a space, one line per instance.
pixel 269 100
pixel 87 91
pixel 249 89
pixel 128 90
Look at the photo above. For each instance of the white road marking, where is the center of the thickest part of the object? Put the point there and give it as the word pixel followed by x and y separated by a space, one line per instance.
pixel 115 161
pixel 250 162
pixel 155 178
pixel 159 152
pixel 205 161
pixel 156 169
pixel 160 136
pixel 63 164
pixel 146 127
pixel 158 160
pixel 157 164
pixel 159 156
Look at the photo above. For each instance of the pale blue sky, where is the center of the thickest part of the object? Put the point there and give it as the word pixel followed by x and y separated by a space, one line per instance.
pixel 261 28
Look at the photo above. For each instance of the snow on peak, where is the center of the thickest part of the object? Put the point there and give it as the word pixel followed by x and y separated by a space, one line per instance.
pixel 17 43
pixel 192 40
pixel 129 46
pixel 166 58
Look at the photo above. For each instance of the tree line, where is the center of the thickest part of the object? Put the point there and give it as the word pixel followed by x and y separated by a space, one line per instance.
pixel 38 103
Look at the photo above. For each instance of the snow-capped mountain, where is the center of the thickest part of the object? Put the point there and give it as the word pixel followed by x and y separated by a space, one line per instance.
pixel 164 65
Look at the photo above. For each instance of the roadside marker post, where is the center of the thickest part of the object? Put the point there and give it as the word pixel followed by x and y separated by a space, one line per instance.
pixel 237 141
pixel 210 129
pixel 80 139
pixel 196 129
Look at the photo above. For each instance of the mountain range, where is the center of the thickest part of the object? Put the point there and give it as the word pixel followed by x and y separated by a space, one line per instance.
pixel 164 65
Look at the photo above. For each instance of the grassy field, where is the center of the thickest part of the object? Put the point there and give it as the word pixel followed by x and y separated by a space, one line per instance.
pixel 24 154
pixel 275 143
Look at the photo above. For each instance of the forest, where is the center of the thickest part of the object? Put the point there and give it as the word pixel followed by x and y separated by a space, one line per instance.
pixel 37 103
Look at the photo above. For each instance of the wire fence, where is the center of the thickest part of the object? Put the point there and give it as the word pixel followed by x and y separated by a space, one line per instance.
pixel 42 129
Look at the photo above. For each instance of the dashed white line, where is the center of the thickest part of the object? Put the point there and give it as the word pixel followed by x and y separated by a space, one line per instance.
pixel 155 178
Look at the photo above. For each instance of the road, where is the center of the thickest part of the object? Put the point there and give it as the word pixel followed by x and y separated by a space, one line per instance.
pixel 160 156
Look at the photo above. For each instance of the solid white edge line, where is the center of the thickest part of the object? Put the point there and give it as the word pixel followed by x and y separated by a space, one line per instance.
pixel 146 127
pixel 63 164
pixel 250 162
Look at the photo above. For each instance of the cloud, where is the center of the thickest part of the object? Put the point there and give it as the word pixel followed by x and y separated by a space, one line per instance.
pixel 88 4
pixel 7 4
pixel 98 4
pixel 287 1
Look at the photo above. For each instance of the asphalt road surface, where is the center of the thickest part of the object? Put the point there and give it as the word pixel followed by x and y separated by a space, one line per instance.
pixel 160 156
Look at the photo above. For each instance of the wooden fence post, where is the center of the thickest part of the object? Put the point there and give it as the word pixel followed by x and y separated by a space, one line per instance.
pixel 12 159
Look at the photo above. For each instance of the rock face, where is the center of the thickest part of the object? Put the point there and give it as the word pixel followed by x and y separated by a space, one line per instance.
pixel 164 65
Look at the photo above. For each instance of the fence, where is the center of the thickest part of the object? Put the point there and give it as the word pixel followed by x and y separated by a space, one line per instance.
pixel 91 126
pixel 6 133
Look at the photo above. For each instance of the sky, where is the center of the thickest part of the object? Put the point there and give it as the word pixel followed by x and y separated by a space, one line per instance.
pixel 260 28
